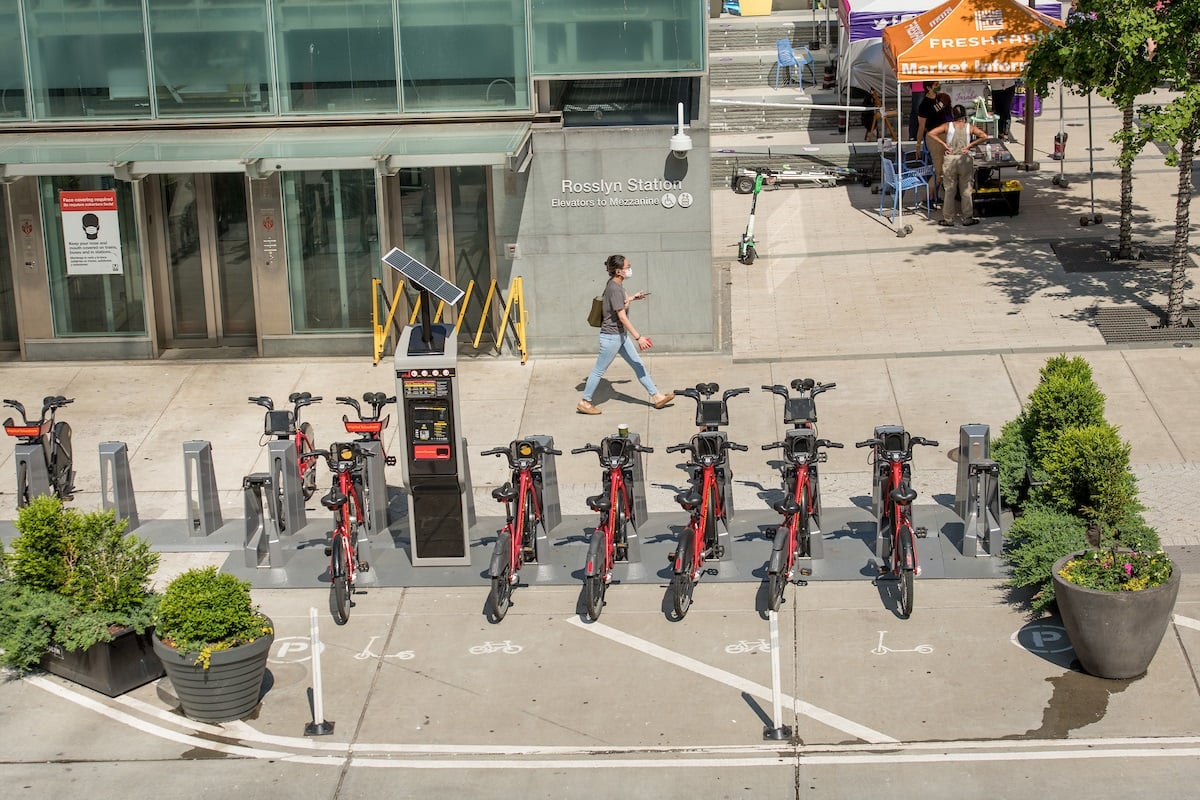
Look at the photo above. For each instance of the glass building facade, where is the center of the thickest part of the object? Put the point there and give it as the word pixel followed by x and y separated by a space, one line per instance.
pixel 241 136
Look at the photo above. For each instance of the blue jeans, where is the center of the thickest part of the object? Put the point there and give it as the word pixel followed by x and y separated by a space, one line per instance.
pixel 610 345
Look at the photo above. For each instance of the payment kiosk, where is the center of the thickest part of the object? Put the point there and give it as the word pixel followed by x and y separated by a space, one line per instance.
pixel 434 456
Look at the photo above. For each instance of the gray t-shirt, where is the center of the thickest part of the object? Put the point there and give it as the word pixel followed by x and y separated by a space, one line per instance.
pixel 614 301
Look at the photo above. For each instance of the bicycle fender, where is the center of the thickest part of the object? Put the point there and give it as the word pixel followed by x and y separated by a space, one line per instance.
pixel 778 563
pixel 780 542
pixel 595 555
pixel 500 555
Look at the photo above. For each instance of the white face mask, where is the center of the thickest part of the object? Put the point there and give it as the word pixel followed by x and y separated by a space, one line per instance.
pixel 628 272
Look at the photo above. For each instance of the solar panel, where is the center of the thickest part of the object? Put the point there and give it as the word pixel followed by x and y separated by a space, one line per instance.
pixel 422 276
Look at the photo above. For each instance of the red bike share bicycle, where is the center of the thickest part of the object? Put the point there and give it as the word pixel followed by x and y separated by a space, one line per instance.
pixel 284 424
pixel 346 461
pixel 704 499
pixel 891 456
pixel 615 505
pixel 517 541
pixel 801 507
pixel 54 437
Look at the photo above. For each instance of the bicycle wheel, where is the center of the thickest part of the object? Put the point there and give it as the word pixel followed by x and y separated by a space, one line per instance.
pixel 596 567
pixel 594 595
pixel 500 598
pixel 529 534
pixel 61 474
pixel 682 583
pixel 22 485
pixel 620 525
pixel 276 497
pixel 710 518
pixel 803 523
pixel 906 575
pixel 777 570
pixel 308 471
pixel 339 588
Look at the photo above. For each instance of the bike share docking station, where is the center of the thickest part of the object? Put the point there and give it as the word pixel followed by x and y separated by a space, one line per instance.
pixel 977 492
pixel 433 464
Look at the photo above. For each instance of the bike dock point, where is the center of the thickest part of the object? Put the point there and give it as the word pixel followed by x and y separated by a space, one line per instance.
pixel 116 484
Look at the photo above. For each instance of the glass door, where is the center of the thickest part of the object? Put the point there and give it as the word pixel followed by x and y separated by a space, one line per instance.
pixel 207 264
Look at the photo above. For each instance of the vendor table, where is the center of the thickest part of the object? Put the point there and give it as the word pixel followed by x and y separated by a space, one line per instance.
pixel 993 194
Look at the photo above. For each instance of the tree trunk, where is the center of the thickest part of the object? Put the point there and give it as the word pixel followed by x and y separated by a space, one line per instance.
pixel 1180 259
pixel 1125 241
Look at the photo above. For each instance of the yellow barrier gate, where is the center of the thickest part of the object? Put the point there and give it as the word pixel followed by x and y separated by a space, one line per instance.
pixel 514 310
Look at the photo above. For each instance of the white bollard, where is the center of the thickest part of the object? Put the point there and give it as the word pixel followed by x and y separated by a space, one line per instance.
pixel 780 731
pixel 319 726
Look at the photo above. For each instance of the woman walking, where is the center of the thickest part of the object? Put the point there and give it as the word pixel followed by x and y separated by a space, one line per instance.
pixel 617 335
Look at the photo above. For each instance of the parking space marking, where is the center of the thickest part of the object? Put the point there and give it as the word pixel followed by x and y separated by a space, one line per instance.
pixel 1188 622
pixel 729 679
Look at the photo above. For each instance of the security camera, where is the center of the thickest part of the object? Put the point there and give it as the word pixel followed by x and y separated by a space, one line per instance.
pixel 681 143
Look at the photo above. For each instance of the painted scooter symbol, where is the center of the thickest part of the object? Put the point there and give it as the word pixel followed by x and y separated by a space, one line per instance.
pixel 880 649
pixel 366 653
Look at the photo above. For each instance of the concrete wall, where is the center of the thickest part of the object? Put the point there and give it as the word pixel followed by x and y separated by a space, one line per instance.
pixel 623 196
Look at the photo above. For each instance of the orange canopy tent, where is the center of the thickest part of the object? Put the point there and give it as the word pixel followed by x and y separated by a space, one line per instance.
pixel 965 39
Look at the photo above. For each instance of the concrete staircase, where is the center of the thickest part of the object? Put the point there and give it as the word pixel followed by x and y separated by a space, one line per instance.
pixel 788 132
pixel 742 64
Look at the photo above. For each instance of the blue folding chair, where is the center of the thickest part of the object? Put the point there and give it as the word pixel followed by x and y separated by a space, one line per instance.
pixel 787 58
pixel 732 7
pixel 898 184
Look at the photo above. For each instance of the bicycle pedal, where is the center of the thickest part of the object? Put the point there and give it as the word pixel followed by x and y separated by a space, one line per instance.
pixel 921 532
pixel 671 556
pixel 363 566
pixel 805 571
pixel 390 461
pixel 719 553
pixel 620 553
pixel 328 550
pixel 528 553
pixel 800 583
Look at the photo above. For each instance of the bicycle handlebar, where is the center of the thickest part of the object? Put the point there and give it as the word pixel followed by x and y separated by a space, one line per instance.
pixel 538 450
pixel 725 445
pixel 49 403
pixel 913 440
pixel 818 443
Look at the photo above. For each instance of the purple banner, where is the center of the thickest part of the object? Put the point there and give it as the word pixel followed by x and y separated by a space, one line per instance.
pixel 870 24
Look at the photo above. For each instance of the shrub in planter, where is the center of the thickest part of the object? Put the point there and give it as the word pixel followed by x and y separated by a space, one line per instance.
pixel 203 611
pixel 214 643
pixel 1085 490
pixel 1066 397
pixel 75 580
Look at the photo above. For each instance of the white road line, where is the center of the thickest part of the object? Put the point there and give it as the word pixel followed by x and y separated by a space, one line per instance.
pixel 779 761
pixel 685 757
pixel 735 681
pixel 1187 622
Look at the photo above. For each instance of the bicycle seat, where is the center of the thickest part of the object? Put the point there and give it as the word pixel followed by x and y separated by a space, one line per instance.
pixel 903 494
pixel 505 494
pixel 334 500
pixel 599 502
pixel 690 499
pixel 786 506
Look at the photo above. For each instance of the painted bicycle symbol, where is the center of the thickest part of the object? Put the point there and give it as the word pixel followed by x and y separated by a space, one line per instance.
pixel 881 649
pixel 366 653
pixel 745 646
pixel 506 647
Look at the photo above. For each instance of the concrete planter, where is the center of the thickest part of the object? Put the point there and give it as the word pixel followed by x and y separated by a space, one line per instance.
pixel 1115 634
pixel 111 668
pixel 229 689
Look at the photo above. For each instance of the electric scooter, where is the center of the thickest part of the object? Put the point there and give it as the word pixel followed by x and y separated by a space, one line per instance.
pixel 746 249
